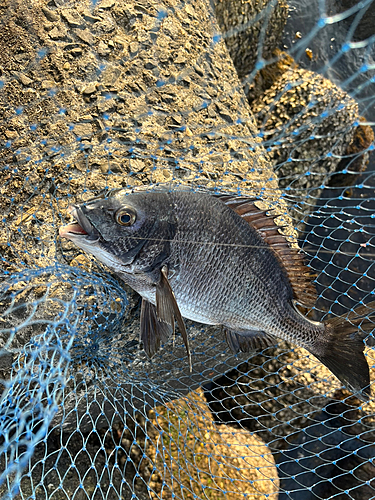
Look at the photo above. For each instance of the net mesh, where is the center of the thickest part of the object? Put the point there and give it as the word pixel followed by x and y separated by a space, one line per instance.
pixel 262 98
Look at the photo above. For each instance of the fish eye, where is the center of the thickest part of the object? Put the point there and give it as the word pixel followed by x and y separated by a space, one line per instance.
pixel 125 216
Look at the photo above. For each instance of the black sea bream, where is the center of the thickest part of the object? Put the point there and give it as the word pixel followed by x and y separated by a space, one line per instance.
pixel 217 260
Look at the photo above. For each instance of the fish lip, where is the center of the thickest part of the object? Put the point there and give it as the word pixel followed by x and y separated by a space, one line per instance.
pixel 92 234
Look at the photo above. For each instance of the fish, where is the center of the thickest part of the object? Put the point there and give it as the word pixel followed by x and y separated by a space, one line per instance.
pixel 216 259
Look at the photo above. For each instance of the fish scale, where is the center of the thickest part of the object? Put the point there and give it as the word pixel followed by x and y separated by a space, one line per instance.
pixel 235 300
pixel 217 260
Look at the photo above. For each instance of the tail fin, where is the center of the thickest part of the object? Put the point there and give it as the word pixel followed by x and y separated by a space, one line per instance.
pixel 341 350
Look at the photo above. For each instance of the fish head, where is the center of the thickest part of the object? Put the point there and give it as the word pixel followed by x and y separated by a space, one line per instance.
pixel 126 232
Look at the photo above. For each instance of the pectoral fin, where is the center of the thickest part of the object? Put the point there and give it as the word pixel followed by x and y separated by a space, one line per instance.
pixel 248 340
pixel 153 331
pixel 167 308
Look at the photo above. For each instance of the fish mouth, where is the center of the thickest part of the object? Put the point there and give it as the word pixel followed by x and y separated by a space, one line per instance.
pixel 81 227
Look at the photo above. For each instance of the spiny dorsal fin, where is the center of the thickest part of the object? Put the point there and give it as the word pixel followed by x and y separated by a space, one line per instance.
pixel 292 261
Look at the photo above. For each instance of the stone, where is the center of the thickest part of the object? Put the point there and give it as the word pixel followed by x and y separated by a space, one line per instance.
pixel 85 35
pixel 243 43
pixel 25 80
pixel 324 130
pixel 90 88
pixel 50 15
pixel 83 129
pixel 59 32
pixel 11 134
pixel 48 84
pixel 221 462
pixel 103 49
pixel 106 4
pixel 72 18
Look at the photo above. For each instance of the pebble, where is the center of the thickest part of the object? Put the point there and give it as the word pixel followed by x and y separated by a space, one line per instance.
pixel 181 58
pixel 89 17
pixel 25 80
pixel 106 105
pixel 104 166
pixel 11 134
pixel 83 129
pixel 103 49
pixel 133 47
pixel 85 36
pixel 81 260
pixel 85 118
pixel 167 174
pixel 72 18
pixel 48 26
pixel 189 9
pixel 136 165
pixel 90 88
pixel 120 40
pixel 50 15
pixel 106 4
pixel 48 84
pixel 77 51
pixel 309 53
pixel 57 33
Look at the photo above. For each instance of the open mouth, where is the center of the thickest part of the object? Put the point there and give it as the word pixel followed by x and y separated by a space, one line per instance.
pixel 79 227
pixel 74 228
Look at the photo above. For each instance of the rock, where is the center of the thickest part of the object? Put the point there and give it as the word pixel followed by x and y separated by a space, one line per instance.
pixel 85 35
pixel 52 16
pixel 103 49
pixel 106 4
pixel 25 80
pixel 319 463
pixel 222 461
pixel 364 27
pixel 208 146
pixel 313 121
pixel 90 88
pixel 241 23
pixel 355 158
pixel 72 18
pixel 6 360
pixel 59 32
pixel 83 130
pixel 304 116
pixel 48 84
pixel 344 140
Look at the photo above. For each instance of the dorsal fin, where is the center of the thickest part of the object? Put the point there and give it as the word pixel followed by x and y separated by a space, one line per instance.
pixel 299 275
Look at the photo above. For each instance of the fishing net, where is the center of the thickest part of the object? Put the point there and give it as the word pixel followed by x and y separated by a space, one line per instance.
pixel 263 98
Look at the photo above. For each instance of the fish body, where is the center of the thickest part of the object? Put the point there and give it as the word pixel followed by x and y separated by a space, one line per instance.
pixel 217 260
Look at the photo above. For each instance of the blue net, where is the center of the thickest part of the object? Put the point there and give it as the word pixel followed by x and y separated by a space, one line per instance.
pixel 263 99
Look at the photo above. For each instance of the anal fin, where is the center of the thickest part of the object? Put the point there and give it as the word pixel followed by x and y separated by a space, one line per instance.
pixel 248 340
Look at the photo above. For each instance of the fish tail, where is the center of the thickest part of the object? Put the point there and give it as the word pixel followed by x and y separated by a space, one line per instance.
pixel 341 348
